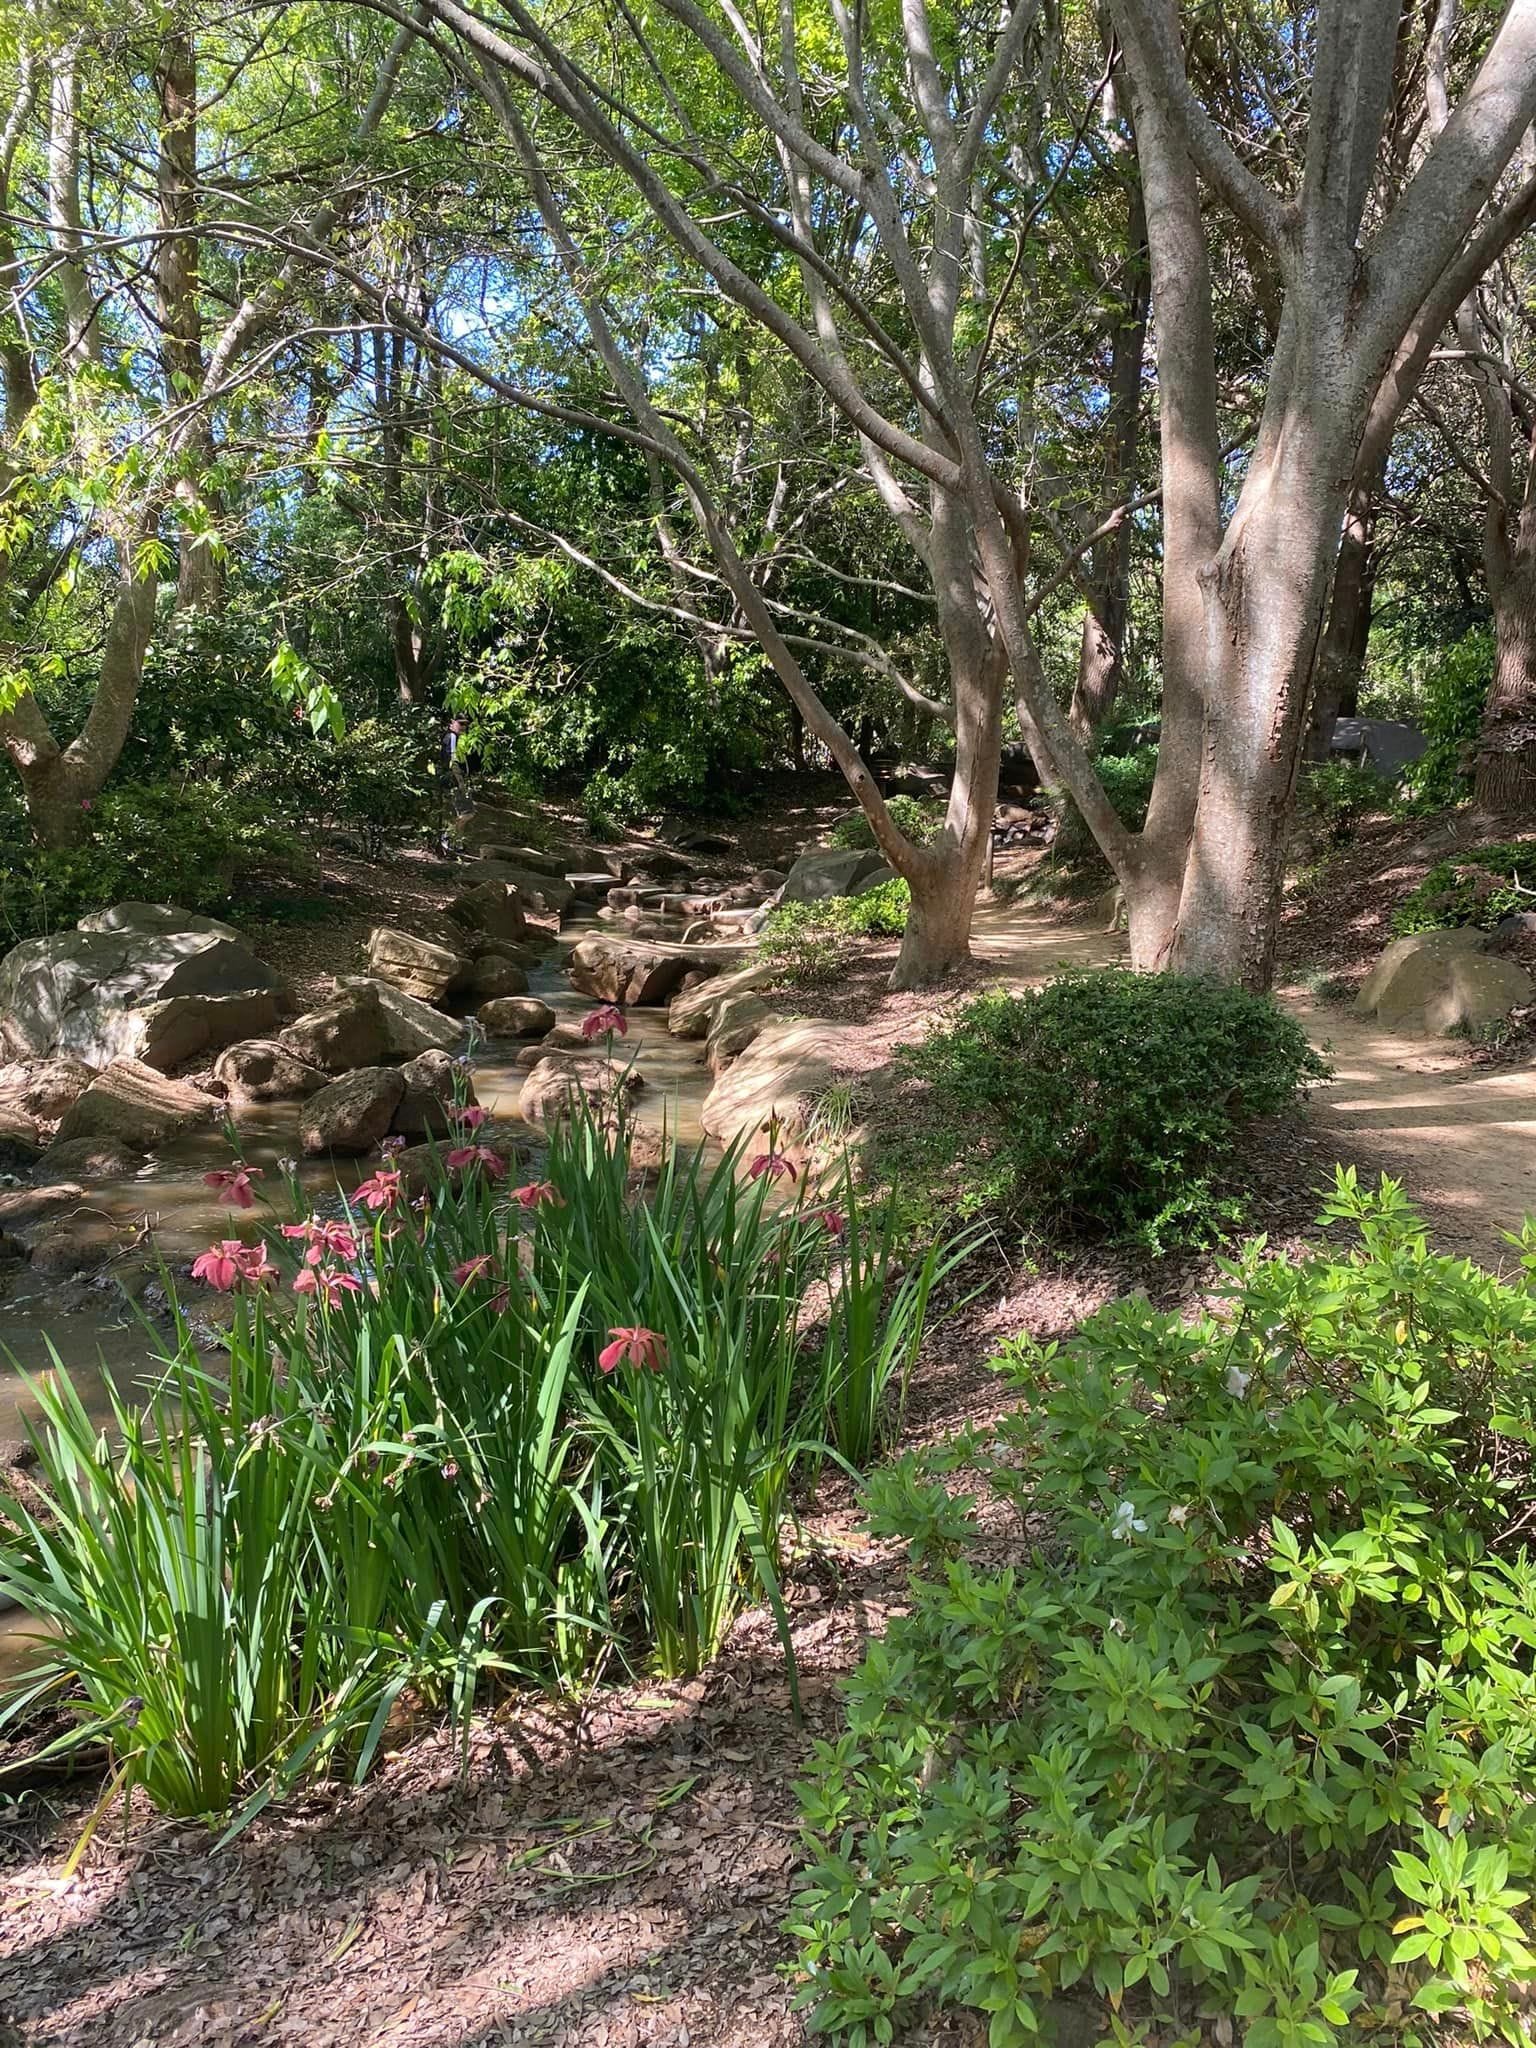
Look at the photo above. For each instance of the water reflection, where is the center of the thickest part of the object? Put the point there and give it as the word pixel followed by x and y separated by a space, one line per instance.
pixel 94 1327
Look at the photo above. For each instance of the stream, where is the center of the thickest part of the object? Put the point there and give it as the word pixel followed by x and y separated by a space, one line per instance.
pixel 97 1333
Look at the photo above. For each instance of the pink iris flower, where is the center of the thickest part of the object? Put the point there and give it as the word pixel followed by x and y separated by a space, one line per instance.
pixel 380 1191
pixel 537 1193
pixel 329 1282
pixel 234 1184
pixel 334 1240
pixel 465 1156
pixel 602 1023
pixel 634 1346
pixel 832 1221
pixel 470 1270
pixel 773 1164
pixel 471 1116
pixel 231 1264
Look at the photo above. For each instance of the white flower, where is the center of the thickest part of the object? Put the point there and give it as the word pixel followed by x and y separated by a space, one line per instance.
pixel 1126 1523
pixel 1237 1381
pixel 1178 1516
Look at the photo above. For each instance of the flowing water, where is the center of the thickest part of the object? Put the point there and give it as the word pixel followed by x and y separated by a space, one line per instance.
pixel 98 1333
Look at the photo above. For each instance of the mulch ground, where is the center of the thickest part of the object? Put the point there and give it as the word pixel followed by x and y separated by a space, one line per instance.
pixel 609 1879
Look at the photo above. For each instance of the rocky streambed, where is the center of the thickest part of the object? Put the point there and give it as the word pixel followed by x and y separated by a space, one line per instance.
pixel 147 1048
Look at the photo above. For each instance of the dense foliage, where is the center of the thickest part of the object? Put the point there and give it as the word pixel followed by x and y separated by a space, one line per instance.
pixel 1477 887
pixel 1105 1103
pixel 921 818
pixel 1455 691
pixel 1127 766
pixel 542 1433
pixel 812 942
pixel 1244 1730
pixel 184 843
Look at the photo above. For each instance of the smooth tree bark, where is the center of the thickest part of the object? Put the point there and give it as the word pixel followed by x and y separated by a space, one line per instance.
pixel 1346 637
pixel 915 206
pixel 1247 574
pixel 179 312
pixel 1245 593
pixel 1504 773
pixel 61 774
pixel 1101 655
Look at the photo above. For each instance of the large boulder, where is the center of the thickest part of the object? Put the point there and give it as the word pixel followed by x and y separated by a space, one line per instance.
pixel 190 1027
pixel 20 1140
pixel 426 1165
pixel 141 981
pixel 775 1085
pixel 496 976
pixel 1384 744
pixel 44 1088
pixel 647 857
pixel 693 1011
pixel 515 1017
pixel 354 1113
pixel 562 1081
pixel 824 871
pixel 633 971
pixel 591 887
pixel 1440 982
pixel 738 1024
pixel 135 1104
pixel 545 895
pixel 21 1208
pixel 265 1070
pixel 493 908
pixel 417 967
pixel 76 1244
pixel 349 1032
pixel 424 1110
pixel 91 1159
pixel 411 1026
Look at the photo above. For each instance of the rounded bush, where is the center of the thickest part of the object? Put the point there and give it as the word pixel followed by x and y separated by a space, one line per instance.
pixel 1107 1102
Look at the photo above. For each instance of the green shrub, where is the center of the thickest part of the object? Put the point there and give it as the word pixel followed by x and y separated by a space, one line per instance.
pixel 1477 888
pixel 378 782
pixel 1455 692
pixel 921 818
pixel 1127 780
pixel 157 842
pixel 1336 795
pixel 209 1621
pixel 810 942
pixel 526 1432
pixel 1106 1103
pixel 1248 1729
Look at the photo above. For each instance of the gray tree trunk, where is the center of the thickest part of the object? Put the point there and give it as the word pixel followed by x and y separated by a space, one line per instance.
pixel 1504 780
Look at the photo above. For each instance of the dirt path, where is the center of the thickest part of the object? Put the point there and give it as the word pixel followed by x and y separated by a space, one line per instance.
pixel 1461 1139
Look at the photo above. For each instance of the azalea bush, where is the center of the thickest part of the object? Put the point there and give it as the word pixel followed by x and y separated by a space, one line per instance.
pixel 504 1431
pixel 1243 1735
pixel 1104 1104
